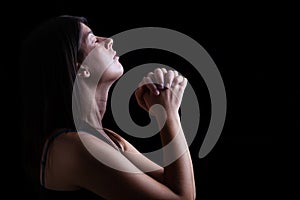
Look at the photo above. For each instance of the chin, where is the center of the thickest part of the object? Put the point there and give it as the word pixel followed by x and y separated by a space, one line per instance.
pixel 118 70
pixel 114 72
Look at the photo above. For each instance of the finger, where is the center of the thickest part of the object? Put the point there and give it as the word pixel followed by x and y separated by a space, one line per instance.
pixel 176 73
pixel 147 81
pixel 183 84
pixel 164 70
pixel 177 80
pixel 182 87
pixel 169 78
pixel 159 76
pixel 153 80
pixel 141 84
pixel 139 92
pixel 151 75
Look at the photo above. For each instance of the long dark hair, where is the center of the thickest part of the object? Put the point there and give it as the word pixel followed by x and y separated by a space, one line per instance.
pixel 48 70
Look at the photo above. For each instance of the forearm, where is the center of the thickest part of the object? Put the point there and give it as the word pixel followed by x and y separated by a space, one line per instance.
pixel 178 174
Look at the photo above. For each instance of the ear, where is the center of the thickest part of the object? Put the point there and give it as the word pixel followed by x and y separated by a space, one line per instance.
pixel 83 71
pixel 77 66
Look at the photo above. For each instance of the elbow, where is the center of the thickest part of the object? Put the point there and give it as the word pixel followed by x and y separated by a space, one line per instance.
pixel 187 198
pixel 190 196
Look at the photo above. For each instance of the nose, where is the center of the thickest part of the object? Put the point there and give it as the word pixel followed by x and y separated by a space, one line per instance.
pixel 109 43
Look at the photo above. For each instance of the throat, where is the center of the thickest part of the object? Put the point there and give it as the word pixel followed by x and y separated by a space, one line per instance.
pixel 101 103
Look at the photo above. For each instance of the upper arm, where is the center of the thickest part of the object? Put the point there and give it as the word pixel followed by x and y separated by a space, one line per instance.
pixel 138 159
pixel 143 163
pixel 110 174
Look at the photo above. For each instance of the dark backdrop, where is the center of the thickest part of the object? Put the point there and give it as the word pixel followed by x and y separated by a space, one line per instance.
pixel 241 41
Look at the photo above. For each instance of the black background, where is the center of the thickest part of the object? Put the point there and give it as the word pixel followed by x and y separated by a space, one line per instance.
pixel 245 43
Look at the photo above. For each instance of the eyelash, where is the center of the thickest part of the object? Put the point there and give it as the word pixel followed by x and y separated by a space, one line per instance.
pixel 95 41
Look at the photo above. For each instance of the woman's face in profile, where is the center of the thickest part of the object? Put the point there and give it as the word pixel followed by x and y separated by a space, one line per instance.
pixel 103 60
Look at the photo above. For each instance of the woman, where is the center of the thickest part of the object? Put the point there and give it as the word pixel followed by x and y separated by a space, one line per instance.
pixel 67 72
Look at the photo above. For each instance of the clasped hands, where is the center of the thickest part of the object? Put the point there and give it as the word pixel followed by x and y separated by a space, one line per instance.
pixel 163 87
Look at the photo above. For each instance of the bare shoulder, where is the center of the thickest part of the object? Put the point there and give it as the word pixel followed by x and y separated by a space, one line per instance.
pixel 77 143
pixel 64 157
pixel 69 146
pixel 77 151
pixel 74 148
pixel 74 156
pixel 91 152
pixel 80 145
pixel 69 141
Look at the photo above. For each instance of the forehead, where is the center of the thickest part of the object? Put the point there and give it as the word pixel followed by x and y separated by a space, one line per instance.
pixel 85 28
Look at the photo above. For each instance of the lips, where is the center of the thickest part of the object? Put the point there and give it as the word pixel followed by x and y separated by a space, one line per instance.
pixel 115 56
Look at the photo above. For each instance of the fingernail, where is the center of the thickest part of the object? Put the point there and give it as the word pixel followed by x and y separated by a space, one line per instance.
pixel 157 92
pixel 167 85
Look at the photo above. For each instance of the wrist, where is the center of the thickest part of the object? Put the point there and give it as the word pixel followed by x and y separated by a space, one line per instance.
pixel 167 118
pixel 159 111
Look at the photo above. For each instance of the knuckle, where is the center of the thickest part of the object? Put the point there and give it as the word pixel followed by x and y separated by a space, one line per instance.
pixel 177 78
pixel 157 70
pixel 150 74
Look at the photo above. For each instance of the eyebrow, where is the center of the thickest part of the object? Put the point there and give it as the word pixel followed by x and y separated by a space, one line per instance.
pixel 88 33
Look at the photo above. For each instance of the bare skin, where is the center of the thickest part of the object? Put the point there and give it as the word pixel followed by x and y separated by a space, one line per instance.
pixel 71 166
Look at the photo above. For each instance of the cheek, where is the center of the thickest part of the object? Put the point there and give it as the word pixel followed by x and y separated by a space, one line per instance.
pixel 97 60
pixel 86 49
pixel 83 53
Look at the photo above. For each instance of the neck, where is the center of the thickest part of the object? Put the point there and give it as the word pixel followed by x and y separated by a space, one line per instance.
pixel 90 103
pixel 101 97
